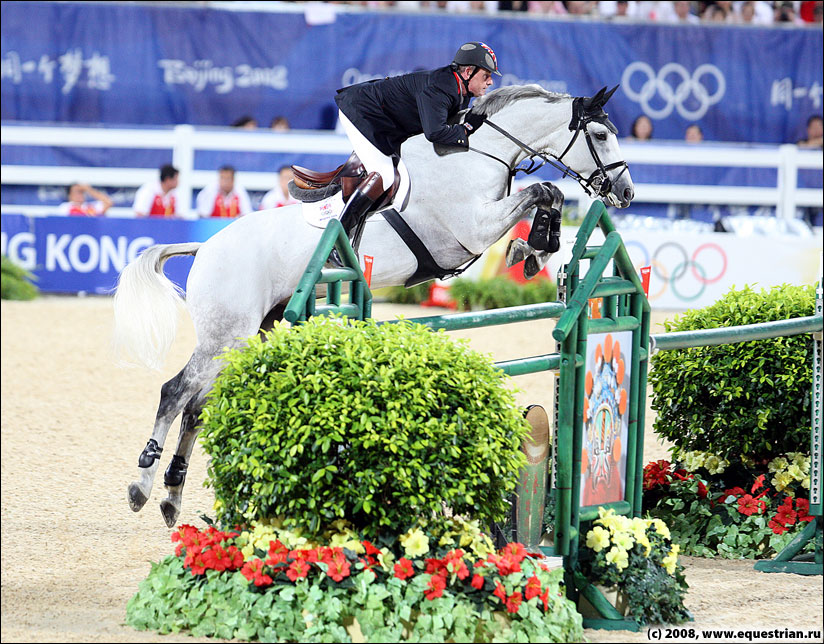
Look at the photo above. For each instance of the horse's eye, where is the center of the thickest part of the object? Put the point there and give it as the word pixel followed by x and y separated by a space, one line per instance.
pixel 601 136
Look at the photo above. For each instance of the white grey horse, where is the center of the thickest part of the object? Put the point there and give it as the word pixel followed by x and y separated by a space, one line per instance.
pixel 243 276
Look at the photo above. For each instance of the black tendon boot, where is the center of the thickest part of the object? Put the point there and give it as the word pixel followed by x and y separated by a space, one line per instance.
pixel 353 217
pixel 545 234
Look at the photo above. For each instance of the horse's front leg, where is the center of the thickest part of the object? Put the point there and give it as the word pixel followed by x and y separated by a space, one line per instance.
pixel 545 236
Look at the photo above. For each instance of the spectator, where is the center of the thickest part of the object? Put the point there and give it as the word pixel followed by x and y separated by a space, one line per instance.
pixel 158 198
pixel 715 13
pixel 77 204
pixel 552 8
pixel 694 134
pixel 785 13
pixel 641 129
pixel 223 198
pixel 280 124
pixel 279 195
pixel 246 123
pixel 746 13
pixel 815 133
pixel 514 5
pixel 684 15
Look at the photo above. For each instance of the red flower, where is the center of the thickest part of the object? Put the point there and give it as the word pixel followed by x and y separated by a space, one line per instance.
pixel 262 580
pixel 300 555
pixel 435 587
pixel 749 506
pixel 776 527
pixel 785 514
pixel 235 558
pixel 655 473
pixel 435 567
pixel 513 603
pixel 533 587
pixel 499 591
pixel 370 549
pixel 514 550
pixel 338 568
pixel 736 491
pixel 758 483
pixel 198 565
pixel 252 568
pixel 545 599
pixel 477 582
pixel 403 569
pixel 216 558
pixel 803 507
pixel 702 490
pixel 297 570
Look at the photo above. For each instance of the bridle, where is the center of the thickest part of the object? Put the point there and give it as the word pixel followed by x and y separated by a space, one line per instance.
pixel 598 184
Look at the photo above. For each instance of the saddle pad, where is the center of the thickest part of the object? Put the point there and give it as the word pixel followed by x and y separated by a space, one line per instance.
pixel 318 213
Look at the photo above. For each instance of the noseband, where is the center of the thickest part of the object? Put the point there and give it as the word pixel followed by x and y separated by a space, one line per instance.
pixel 598 184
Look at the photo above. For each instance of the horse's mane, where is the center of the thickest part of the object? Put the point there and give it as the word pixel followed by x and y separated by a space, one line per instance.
pixel 498 99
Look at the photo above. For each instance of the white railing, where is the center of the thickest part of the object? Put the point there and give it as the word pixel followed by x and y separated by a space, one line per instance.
pixel 184 140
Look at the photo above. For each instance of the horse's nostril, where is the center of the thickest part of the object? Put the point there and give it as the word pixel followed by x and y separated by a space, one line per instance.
pixel 629 193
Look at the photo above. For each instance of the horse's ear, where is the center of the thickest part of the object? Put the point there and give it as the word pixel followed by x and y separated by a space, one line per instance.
pixel 609 94
pixel 595 101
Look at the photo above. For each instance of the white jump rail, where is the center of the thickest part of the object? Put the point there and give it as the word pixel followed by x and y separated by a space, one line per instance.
pixel 184 140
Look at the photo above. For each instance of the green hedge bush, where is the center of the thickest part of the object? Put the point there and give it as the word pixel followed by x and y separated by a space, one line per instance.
pixel 472 295
pixel 15 282
pixel 380 424
pixel 748 399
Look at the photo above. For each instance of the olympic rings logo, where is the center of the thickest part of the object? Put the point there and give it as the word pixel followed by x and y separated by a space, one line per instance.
pixel 688 274
pixel 690 89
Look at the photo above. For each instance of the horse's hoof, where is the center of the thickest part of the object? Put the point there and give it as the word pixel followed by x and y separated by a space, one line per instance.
pixel 517 251
pixel 136 497
pixel 531 268
pixel 170 512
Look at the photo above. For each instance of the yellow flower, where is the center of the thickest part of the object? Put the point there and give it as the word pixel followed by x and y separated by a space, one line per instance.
pixel 446 539
pixel 748 460
pixel 618 556
pixel 796 472
pixel 777 464
pixel 623 540
pixel 806 483
pixel 597 539
pixel 644 541
pixel 415 543
pixel 347 539
pixel 482 546
pixel 386 559
pixel 782 480
pixel 669 562
pixel 715 465
pixel 693 460
pixel 661 528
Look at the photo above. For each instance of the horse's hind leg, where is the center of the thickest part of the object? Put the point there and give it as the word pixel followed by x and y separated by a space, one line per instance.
pixel 173 396
pixel 175 476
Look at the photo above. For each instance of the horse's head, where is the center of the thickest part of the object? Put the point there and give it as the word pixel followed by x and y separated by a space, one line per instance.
pixel 593 153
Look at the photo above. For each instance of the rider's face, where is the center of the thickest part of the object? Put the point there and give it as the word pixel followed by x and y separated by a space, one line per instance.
pixel 480 82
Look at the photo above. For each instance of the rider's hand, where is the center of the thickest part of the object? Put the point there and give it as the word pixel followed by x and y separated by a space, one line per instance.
pixel 473 121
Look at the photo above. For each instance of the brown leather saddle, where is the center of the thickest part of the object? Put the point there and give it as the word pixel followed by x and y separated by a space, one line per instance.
pixel 348 176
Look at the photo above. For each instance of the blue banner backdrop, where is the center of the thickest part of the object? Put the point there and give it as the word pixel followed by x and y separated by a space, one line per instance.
pixel 112 63
pixel 73 254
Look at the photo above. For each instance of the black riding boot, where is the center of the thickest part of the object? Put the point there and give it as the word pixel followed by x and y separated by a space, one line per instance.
pixel 545 234
pixel 353 217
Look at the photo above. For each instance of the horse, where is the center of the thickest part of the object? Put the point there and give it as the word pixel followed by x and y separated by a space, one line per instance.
pixel 242 277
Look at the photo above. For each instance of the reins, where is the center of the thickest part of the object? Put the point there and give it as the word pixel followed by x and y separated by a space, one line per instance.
pixel 547 158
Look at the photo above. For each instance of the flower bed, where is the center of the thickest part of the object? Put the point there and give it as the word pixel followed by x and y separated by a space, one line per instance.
pixel 270 583
pixel 637 557
pixel 714 509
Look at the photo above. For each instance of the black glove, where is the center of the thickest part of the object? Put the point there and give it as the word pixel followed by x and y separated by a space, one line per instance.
pixel 473 121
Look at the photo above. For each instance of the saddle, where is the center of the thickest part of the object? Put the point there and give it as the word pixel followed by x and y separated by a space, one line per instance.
pixel 311 185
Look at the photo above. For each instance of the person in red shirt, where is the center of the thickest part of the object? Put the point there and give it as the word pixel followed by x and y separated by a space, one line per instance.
pixel 78 206
pixel 280 196
pixel 158 198
pixel 224 198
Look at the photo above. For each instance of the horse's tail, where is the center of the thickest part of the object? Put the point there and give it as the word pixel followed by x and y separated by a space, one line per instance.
pixel 146 307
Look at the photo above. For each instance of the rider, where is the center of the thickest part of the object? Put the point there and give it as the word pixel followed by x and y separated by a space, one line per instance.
pixel 378 116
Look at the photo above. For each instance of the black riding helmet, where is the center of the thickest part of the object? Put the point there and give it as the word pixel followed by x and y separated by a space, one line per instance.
pixel 479 55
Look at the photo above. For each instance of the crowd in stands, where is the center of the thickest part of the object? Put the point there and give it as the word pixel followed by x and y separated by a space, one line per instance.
pixel 754 13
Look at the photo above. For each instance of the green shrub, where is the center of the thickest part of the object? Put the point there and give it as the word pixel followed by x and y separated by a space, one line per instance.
pixel 14 282
pixel 380 424
pixel 403 295
pixel 500 292
pixel 748 399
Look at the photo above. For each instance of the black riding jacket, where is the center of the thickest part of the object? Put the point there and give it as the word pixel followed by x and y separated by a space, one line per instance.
pixel 389 111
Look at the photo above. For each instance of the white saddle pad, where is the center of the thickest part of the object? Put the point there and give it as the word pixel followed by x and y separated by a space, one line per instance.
pixel 318 213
